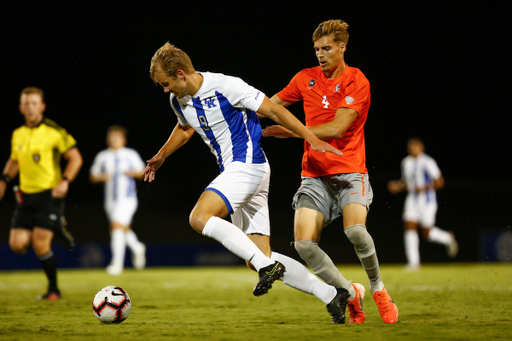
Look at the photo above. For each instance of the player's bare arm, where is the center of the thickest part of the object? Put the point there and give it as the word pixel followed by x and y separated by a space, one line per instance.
pixel 96 179
pixel 282 116
pixel 179 136
pixel 337 127
pixel 10 171
pixel 436 184
pixel 397 186
pixel 74 163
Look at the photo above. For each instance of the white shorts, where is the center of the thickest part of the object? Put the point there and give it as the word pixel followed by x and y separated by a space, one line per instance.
pixel 420 210
pixel 121 211
pixel 244 188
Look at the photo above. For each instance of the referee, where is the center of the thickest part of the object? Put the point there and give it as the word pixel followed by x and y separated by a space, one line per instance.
pixel 36 150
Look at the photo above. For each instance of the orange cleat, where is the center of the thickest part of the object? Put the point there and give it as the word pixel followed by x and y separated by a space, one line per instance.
pixel 387 308
pixel 355 307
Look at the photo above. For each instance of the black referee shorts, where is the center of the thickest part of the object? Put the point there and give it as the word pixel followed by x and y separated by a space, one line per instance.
pixel 39 210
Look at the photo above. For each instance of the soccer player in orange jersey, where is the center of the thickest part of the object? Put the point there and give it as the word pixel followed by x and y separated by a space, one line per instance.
pixel 336 100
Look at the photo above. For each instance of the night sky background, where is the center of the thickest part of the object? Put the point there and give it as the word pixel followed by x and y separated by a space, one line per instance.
pixel 439 73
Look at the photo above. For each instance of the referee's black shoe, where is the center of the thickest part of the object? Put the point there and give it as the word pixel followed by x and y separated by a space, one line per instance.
pixel 268 275
pixel 338 306
pixel 64 236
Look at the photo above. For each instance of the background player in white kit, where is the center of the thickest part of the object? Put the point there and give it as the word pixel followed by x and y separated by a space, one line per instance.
pixel 222 110
pixel 118 167
pixel 421 177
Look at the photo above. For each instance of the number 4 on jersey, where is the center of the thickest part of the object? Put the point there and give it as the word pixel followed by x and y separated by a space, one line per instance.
pixel 324 101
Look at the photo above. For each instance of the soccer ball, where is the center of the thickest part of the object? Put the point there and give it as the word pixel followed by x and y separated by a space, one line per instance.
pixel 111 305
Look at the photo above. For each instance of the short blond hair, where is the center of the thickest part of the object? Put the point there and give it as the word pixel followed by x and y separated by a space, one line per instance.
pixel 338 29
pixel 169 59
pixel 117 128
pixel 32 90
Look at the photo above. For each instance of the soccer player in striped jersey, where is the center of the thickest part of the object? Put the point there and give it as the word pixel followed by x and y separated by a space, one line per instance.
pixel 421 177
pixel 118 167
pixel 36 150
pixel 336 99
pixel 222 110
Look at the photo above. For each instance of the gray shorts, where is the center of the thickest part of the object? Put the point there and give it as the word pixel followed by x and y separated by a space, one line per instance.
pixel 331 193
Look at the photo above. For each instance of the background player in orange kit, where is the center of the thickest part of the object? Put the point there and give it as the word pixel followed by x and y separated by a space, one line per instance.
pixel 336 101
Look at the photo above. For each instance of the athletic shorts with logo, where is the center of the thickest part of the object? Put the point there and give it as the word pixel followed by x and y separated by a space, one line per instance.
pixel 39 210
pixel 331 193
pixel 244 188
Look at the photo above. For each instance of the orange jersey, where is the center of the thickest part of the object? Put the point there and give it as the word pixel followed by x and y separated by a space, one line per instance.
pixel 322 97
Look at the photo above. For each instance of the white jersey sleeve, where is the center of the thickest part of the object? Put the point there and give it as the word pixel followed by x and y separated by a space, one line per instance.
pixel 175 105
pixel 98 166
pixel 242 95
pixel 432 168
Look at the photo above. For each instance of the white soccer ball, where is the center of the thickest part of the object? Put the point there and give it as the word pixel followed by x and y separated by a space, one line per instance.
pixel 111 305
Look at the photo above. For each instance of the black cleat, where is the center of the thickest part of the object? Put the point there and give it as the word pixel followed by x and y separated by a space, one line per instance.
pixel 268 275
pixel 338 306
pixel 51 296
pixel 64 236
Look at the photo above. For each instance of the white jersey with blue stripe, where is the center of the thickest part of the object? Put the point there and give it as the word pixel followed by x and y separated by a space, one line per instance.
pixel 420 172
pixel 116 163
pixel 223 112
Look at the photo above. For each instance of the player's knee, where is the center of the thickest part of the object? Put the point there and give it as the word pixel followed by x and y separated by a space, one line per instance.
pixel 41 247
pixel 425 232
pixel 361 239
pixel 198 220
pixel 306 249
pixel 18 247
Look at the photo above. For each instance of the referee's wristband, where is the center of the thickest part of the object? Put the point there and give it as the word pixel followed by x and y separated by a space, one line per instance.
pixel 6 178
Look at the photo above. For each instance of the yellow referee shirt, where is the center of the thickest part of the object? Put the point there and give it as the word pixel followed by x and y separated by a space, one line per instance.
pixel 37 151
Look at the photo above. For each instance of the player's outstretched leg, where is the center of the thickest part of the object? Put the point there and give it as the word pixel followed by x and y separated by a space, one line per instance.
pixel 338 306
pixel 355 307
pixel 268 275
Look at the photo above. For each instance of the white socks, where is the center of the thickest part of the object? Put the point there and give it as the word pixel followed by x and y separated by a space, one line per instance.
pixel 117 247
pixel 412 248
pixel 236 241
pixel 299 277
pixel 436 235
pixel 133 242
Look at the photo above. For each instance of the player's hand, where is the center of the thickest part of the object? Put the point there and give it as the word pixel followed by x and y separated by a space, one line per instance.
pixel 61 189
pixel 3 186
pixel 277 131
pixel 153 164
pixel 394 187
pixel 323 147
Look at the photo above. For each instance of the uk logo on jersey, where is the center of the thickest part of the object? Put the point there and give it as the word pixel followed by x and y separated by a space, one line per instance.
pixel 210 102
pixel 349 100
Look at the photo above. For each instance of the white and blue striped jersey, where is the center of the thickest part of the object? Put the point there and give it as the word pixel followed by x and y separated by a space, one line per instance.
pixel 420 172
pixel 223 112
pixel 116 163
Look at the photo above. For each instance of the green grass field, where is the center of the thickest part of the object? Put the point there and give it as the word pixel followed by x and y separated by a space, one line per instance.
pixel 440 302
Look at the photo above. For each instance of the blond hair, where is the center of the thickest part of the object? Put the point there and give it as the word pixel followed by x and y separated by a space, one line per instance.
pixel 118 128
pixel 32 90
pixel 168 59
pixel 338 29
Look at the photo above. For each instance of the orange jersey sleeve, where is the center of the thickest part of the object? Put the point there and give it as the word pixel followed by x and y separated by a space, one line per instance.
pixel 321 98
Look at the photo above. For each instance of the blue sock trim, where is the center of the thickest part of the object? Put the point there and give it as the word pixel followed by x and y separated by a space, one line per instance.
pixel 226 201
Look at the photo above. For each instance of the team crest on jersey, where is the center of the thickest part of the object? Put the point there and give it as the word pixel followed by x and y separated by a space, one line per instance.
pixel 210 102
pixel 312 82
pixel 36 157
pixel 349 100
pixel 337 88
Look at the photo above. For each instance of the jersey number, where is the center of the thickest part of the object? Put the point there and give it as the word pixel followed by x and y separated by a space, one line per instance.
pixel 324 101
pixel 203 122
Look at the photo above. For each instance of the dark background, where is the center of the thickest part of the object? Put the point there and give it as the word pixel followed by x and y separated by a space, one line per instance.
pixel 438 72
